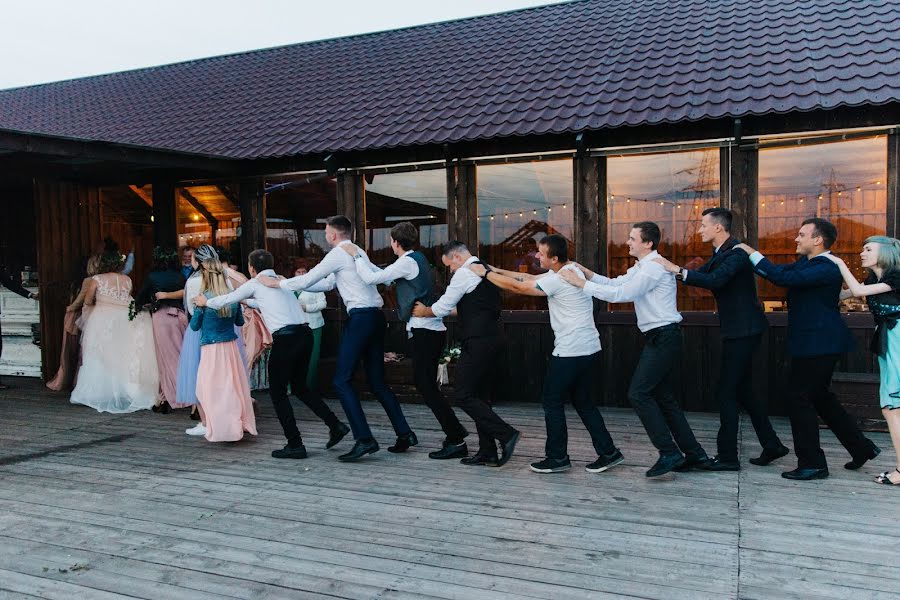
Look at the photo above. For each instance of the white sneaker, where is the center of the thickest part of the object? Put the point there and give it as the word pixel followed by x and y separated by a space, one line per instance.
pixel 199 429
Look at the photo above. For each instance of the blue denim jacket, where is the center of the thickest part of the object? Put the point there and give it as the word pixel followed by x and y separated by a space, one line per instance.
pixel 213 328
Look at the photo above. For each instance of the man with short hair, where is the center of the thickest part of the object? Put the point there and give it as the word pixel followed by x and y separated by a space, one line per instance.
pixel 817 336
pixel 576 348
pixel 729 276
pixel 187 253
pixel 651 392
pixel 288 359
pixel 362 339
pixel 414 282
pixel 15 286
pixel 477 302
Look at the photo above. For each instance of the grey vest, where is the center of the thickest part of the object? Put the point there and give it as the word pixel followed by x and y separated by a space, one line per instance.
pixel 418 289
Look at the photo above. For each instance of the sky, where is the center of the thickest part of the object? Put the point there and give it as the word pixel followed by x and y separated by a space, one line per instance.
pixel 52 40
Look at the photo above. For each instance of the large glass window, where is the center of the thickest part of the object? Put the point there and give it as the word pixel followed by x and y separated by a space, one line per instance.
pixel 419 197
pixel 295 220
pixel 518 204
pixel 844 182
pixel 672 190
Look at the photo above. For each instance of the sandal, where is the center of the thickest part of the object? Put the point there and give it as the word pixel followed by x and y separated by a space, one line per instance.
pixel 884 478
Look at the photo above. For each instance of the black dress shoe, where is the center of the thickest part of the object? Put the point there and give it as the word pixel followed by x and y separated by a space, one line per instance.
pixel 336 434
pixel 856 464
pixel 722 464
pixel 404 443
pixel 360 449
pixel 799 474
pixel 450 451
pixel 694 461
pixel 507 448
pixel 290 452
pixel 481 459
pixel 768 456
pixel 666 463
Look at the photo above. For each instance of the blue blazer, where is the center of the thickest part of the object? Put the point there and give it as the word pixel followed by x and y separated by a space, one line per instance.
pixel 815 325
pixel 214 328
pixel 729 276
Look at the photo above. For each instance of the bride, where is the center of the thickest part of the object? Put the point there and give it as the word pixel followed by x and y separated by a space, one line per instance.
pixel 118 372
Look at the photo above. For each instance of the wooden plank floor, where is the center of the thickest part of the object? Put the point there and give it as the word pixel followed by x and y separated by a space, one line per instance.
pixel 101 506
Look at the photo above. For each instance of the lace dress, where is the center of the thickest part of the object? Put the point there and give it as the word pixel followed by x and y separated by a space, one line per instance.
pixel 118 372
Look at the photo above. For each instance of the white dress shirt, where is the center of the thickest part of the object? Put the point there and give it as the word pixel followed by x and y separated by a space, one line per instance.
pixel 462 282
pixel 648 285
pixel 191 291
pixel 355 292
pixel 405 267
pixel 571 316
pixel 313 303
pixel 279 307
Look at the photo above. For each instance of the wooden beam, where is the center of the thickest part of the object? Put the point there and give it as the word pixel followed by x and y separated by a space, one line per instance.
pixel 589 202
pixel 743 192
pixel 351 202
pixel 253 217
pixel 141 193
pixel 228 191
pixel 198 206
pixel 165 214
pixel 462 204
pixel 893 184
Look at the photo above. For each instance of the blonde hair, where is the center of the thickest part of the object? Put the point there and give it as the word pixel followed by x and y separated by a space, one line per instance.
pixel 213 281
pixel 93 265
pixel 888 252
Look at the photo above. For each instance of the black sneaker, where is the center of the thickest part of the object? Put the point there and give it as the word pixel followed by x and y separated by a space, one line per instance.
pixel 604 463
pixel 699 461
pixel 666 463
pixel 289 452
pixel 551 465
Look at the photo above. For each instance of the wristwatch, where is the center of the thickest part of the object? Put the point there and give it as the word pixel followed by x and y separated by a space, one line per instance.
pixel 680 274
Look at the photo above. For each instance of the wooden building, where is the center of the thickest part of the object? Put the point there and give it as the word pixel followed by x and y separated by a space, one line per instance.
pixel 578 118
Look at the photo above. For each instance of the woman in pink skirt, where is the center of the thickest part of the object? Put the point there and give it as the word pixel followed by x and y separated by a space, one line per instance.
pixel 70 356
pixel 226 407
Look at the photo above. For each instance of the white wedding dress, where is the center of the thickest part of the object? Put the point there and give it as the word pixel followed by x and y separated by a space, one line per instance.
pixel 118 370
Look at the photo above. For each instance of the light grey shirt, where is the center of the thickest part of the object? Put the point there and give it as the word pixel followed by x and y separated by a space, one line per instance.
pixel 648 285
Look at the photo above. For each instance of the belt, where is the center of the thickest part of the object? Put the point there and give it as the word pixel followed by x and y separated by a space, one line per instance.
pixel 289 329
pixel 661 328
pixel 364 309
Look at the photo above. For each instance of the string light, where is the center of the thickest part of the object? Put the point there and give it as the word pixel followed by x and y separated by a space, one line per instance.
pixel 505 216
pixel 520 213
pixel 549 209
pixel 492 217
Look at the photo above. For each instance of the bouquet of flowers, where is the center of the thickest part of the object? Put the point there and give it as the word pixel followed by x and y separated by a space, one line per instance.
pixel 132 311
pixel 450 354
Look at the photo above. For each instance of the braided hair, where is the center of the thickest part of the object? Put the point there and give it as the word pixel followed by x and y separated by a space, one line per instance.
pixel 213 273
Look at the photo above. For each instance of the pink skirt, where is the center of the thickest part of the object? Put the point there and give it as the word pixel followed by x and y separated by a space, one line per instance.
pixel 168 332
pixel 224 393
pixel 69 356
pixel 256 336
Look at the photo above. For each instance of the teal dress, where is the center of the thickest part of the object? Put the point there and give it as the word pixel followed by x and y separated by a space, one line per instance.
pixel 885 308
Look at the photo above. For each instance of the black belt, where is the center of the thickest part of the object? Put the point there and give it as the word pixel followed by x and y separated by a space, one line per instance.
pixel 364 309
pixel 290 329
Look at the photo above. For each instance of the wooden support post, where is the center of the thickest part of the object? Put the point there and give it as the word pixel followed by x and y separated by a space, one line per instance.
pixel 462 204
pixel 165 214
pixel 743 192
pixel 893 183
pixel 351 202
pixel 252 201
pixel 589 205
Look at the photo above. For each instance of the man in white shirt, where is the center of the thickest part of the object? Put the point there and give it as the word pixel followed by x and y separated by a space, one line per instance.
pixel 477 302
pixel 289 356
pixel 653 291
pixel 362 339
pixel 576 348
pixel 414 282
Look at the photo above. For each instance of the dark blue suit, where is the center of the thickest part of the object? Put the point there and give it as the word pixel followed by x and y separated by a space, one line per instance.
pixel 729 275
pixel 817 336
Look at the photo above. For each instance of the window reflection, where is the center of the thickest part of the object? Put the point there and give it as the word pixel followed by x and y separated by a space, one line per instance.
pixel 419 197
pixel 296 209
pixel 673 190
pixel 518 204
pixel 844 182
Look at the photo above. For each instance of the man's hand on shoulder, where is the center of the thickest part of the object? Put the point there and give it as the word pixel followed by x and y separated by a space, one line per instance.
pixel 479 270
pixel 749 250
pixel 351 249
pixel 667 265
pixel 272 282
pixel 571 277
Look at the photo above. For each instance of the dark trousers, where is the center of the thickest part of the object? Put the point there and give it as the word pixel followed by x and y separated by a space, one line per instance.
pixel 476 365
pixel 363 340
pixel 427 346
pixel 288 360
pixel 565 375
pixel 652 395
pixel 736 388
pixel 810 381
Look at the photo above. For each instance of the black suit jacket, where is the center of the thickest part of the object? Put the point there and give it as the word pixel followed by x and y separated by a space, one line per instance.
pixel 12 284
pixel 729 275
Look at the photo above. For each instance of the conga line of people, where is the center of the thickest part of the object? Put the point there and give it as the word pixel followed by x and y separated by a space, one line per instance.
pixel 207 324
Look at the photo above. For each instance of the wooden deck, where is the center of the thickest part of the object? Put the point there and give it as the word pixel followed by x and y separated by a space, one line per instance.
pixel 100 506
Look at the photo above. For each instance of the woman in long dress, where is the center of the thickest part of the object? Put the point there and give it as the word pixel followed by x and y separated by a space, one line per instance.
pixel 70 355
pixel 118 370
pixel 222 387
pixel 881 256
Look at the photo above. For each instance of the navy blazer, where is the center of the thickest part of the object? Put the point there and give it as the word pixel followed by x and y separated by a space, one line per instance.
pixel 815 325
pixel 729 276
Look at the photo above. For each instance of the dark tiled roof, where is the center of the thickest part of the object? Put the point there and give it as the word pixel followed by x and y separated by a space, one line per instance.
pixel 588 64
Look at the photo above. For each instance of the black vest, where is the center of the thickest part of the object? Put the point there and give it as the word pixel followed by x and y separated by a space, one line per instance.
pixel 479 311
pixel 418 289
